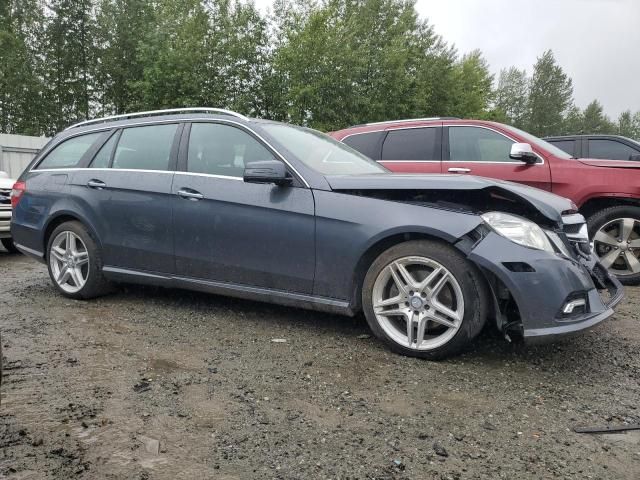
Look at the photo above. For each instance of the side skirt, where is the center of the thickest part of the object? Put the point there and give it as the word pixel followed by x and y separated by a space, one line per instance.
pixel 248 292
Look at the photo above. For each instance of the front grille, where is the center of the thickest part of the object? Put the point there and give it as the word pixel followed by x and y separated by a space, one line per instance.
pixel 5 198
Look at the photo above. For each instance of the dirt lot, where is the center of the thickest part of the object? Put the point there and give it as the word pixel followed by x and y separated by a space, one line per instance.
pixel 90 386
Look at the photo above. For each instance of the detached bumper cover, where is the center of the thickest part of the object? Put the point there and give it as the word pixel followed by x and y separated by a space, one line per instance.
pixel 541 293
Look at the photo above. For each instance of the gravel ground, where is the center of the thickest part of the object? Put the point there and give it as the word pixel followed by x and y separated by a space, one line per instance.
pixel 153 384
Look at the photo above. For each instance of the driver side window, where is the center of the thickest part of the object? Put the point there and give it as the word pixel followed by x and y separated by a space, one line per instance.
pixel 224 150
pixel 475 144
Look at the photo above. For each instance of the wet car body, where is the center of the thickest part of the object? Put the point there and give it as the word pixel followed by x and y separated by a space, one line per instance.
pixel 309 243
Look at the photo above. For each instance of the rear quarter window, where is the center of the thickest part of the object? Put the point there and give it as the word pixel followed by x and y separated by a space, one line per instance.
pixel 366 143
pixel 69 153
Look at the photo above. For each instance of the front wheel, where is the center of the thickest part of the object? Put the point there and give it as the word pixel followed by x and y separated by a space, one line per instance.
pixel 75 262
pixel 424 299
pixel 615 233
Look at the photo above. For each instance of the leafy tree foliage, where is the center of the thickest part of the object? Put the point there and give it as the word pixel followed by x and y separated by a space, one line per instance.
pixel 323 63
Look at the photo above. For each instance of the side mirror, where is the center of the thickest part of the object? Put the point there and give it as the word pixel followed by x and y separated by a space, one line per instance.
pixel 267 171
pixel 635 157
pixel 524 153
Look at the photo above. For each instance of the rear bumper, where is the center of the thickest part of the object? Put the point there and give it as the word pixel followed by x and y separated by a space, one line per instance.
pixel 553 280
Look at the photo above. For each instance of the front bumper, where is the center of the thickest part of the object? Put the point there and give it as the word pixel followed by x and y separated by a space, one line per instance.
pixel 544 283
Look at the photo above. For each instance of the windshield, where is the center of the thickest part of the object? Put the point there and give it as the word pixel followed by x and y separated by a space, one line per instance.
pixel 321 152
pixel 538 142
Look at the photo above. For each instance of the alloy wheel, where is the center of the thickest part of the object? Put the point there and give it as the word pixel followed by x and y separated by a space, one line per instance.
pixel 69 261
pixel 617 244
pixel 418 303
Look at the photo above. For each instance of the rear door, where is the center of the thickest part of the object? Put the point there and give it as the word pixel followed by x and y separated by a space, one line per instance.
pixel 476 150
pixel 227 230
pixel 409 149
pixel 128 189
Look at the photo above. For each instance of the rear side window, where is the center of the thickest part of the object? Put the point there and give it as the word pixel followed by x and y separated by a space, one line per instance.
pixel 566 145
pixel 69 152
pixel 219 149
pixel 410 144
pixel 474 144
pixel 103 157
pixel 366 143
pixel 145 148
pixel 610 149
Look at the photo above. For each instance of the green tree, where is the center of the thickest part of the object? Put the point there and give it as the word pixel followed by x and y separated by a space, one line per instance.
pixel 472 86
pixel 70 50
pixel 550 96
pixel 120 27
pixel 629 125
pixel 595 121
pixel 512 96
pixel 573 123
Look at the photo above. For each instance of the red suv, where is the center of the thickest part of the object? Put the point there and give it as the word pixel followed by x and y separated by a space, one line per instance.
pixel 607 192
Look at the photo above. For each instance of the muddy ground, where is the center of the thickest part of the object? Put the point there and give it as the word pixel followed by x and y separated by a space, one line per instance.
pixel 89 387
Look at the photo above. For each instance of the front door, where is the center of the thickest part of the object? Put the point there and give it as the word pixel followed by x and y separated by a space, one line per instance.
pixel 230 231
pixel 482 151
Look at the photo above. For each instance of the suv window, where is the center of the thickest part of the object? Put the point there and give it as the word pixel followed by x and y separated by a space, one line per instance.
pixel 475 144
pixel 565 145
pixel 103 157
pixel 69 152
pixel 145 148
pixel 366 143
pixel 219 149
pixel 410 144
pixel 610 149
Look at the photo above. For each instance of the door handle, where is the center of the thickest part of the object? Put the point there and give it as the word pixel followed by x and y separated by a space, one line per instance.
pixel 459 170
pixel 98 184
pixel 190 194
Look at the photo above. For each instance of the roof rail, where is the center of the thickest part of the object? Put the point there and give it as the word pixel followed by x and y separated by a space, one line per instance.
pixel 424 119
pixel 151 113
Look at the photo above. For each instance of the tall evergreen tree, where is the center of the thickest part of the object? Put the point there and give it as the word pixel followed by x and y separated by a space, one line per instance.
pixel 550 96
pixel 573 123
pixel 595 121
pixel 512 96
pixel 472 86
pixel 70 57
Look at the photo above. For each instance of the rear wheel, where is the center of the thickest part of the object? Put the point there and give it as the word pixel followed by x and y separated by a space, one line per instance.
pixel 424 299
pixel 9 246
pixel 75 262
pixel 615 233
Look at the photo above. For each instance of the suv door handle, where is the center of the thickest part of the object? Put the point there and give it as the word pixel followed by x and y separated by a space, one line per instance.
pixel 459 170
pixel 98 184
pixel 190 194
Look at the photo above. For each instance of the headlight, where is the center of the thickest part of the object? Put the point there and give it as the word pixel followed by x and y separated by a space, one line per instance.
pixel 518 230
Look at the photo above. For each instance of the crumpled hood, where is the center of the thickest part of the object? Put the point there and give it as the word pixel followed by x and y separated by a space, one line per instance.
pixel 548 204
pixel 595 162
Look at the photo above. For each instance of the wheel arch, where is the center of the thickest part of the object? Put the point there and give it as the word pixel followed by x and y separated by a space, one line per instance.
pixel 62 217
pixel 595 204
pixel 374 250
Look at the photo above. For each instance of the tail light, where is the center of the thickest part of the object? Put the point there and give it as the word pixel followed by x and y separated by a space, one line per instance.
pixel 16 193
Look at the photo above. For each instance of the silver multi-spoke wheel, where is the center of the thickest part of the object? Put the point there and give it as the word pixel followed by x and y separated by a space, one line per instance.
pixel 69 261
pixel 617 244
pixel 418 303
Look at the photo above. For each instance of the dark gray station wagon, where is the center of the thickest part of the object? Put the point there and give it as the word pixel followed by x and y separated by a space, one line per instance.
pixel 210 200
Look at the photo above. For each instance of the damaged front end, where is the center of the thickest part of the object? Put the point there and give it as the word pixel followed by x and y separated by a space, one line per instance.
pixel 540 295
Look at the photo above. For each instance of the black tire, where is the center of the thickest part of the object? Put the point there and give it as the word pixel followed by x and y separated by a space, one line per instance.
pixel 472 284
pixel 96 285
pixel 9 246
pixel 599 219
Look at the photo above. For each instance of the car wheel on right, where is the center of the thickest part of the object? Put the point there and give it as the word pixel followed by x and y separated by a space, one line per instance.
pixel 423 299
pixel 615 233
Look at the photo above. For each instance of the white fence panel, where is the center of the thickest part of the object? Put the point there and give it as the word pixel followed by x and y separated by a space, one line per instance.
pixel 16 151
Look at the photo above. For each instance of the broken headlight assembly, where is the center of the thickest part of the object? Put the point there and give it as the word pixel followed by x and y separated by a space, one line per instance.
pixel 519 230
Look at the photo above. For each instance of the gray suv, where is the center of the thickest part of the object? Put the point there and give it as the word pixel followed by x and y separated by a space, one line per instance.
pixel 210 200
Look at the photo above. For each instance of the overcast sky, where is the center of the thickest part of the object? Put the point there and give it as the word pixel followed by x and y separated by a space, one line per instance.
pixel 597 42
